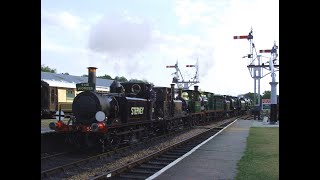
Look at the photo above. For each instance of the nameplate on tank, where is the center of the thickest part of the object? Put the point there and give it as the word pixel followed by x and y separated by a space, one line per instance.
pixel 137 110
pixel 85 86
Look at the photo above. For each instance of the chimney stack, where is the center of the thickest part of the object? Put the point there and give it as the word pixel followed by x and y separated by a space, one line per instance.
pixel 92 76
pixel 196 88
pixel 172 91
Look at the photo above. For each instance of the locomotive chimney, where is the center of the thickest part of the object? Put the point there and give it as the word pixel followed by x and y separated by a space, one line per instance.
pixel 196 88
pixel 172 92
pixel 172 98
pixel 197 93
pixel 92 76
pixel 180 92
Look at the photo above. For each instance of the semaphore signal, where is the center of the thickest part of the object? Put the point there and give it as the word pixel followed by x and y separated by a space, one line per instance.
pixel 182 83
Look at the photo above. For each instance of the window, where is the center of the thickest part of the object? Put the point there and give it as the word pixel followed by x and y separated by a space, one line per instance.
pixel 70 94
pixel 52 96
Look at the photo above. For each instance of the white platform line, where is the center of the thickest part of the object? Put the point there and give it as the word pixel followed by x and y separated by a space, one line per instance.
pixel 187 154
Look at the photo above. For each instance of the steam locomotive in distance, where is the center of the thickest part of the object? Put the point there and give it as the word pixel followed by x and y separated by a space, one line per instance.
pixel 134 111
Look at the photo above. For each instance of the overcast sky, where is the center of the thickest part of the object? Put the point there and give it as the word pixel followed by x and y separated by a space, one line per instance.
pixel 139 38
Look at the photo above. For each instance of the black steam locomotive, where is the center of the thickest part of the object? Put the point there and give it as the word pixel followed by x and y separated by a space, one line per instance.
pixel 129 114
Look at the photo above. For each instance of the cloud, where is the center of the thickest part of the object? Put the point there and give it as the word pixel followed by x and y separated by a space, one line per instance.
pixel 64 29
pixel 128 44
pixel 191 12
pixel 120 35
pixel 63 19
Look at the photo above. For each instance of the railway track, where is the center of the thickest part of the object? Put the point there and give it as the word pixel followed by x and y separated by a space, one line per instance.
pixel 60 164
pixel 45 156
pixel 68 165
pixel 149 165
pixel 247 117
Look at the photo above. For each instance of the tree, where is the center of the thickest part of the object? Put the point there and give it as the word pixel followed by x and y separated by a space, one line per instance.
pixel 105 77
pixel 65 73
pixel 141 81
pixel 266 95
pixel 250 96
pixel 47 69
pixel 137 81
pixel 121 79
pixel 85 75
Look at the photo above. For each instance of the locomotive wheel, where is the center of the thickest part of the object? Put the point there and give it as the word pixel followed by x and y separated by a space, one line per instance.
pixel 74 139
pixel 169 126
pixel 113 141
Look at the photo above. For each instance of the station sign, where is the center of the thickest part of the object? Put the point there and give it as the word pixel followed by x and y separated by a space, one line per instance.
pixel 266 104
pixel 85 86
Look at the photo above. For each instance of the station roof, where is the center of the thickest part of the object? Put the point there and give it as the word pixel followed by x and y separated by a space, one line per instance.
pixel 70 81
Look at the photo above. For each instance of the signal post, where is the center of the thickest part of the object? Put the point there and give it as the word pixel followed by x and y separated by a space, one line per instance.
pixel 257 73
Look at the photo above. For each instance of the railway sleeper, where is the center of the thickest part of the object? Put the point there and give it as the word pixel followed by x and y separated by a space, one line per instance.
pixel 151 166
pixel 163 163
pixel 188 146
pixel 168 158
pixel 171 156
pixel 142 171
pixel 218 128
pixel 71 173
pixel 133 176
pixel 163 159
pixel 182 151
pixel 174 153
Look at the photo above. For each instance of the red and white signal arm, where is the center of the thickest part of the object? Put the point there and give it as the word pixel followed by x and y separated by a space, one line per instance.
pixel 266 101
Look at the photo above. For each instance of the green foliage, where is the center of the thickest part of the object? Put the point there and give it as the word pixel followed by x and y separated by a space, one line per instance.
pixel 105 77
pixel 141 81
pixel 121 79
pixel 266 95
pixel 249 95
pixel 47 69
pixel 118 78
pixel 136 80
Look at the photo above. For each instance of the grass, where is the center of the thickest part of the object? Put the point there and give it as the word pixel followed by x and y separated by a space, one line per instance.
pixel 261 158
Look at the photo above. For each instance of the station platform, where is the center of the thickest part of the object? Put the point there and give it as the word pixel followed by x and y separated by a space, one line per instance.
pixel 46 130
pixel 215 159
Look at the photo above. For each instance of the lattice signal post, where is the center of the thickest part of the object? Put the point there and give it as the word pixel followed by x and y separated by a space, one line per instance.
pixel 254 69
pixel 182 83
pixel 273 69
pixel 256 72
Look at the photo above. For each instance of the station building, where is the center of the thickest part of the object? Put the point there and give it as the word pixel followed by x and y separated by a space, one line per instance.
pixel 62 89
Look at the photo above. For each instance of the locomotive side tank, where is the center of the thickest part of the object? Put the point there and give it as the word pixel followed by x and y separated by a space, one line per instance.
pixel 194 100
